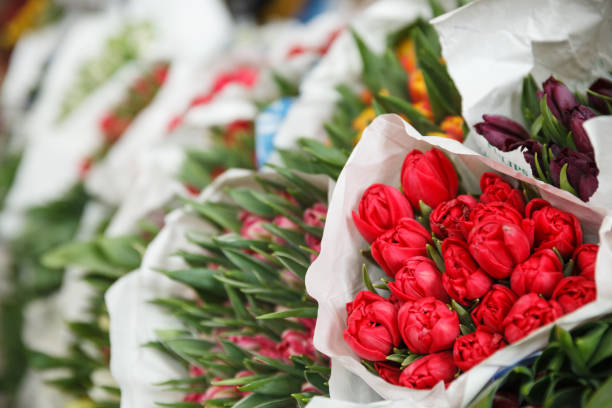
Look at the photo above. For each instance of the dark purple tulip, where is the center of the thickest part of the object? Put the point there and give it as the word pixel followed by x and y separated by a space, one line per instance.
pixel 604 87
pixel 560 99
pixel 578 116
pixel 555 149
pixel 501 132
pixel 581 172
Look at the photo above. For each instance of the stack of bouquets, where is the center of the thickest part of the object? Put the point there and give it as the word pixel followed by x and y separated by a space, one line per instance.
pixel 246 335
pixel 467 266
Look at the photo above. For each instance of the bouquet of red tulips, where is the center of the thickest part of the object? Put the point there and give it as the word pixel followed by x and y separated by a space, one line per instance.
pixel 462 262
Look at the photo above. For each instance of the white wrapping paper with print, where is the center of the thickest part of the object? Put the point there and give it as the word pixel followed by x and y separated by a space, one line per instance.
pixel 489 57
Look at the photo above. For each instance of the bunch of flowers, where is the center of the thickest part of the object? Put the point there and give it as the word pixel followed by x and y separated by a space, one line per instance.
pixel 119 49
pixel 138 96
pixel 467 275
pixel 115 122
pixel 556 145
pixel 248 335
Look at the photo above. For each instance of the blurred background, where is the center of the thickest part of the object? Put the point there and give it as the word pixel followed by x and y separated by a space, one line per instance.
pixel 62 64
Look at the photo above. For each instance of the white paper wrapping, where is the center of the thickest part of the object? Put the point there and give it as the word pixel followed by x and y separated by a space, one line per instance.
pixel 25 69
pixel 488 57
pixel 377 159
pixel 134 320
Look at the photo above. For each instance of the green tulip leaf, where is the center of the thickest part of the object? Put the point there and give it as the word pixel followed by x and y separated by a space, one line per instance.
pixel 602 397
pixel 564 182
pixel 530 102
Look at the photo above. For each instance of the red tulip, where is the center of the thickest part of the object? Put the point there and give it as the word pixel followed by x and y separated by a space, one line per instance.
pixel 554 228
pixel 496 189
pixel 529 313
pixel 494 307
pixel 380 209
pixel 388 371
pixel 539 274
pixel 573 292
pixel 585 259
pixel 427 325
pixel 394 247
pixel 429 177
pixel 498 247
pixel 418 278
pixel 449 218
pixel 464 281
pixel 427 371
pixel 372 326
pixel 472 348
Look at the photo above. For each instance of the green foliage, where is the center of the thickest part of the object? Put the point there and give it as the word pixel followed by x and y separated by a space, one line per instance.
pixel 574 370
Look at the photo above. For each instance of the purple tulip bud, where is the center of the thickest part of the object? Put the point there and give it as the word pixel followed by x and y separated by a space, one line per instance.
pixel 581 172
pixel 501 132
pixel 578 116
pixel 560 99
pixel 604 87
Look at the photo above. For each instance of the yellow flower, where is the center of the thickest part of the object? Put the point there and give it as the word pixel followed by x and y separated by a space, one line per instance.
pixel 362 121
pixel 453 127
pixel 406 55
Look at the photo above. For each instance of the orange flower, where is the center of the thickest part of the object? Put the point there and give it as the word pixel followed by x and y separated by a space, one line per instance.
pixel 424 109
pixel 417 87
pixel 453 127
pixel 363 120
pixel 366 96
pixel 406 55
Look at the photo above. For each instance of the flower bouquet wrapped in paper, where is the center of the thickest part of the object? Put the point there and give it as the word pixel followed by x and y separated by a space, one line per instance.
pixel 246 322
pixel 447 268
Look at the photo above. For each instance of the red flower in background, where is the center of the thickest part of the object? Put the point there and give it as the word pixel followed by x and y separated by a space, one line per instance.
pixel 245 76
pixel 315 217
